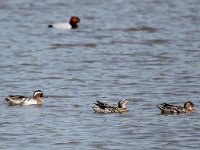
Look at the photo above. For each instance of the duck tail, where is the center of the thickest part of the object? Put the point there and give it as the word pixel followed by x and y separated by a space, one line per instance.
pixel 50 26
pixel 160 106
pixel 9 100
pixel 96 109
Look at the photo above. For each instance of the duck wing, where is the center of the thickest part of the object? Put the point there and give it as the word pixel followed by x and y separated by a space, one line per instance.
pixel 169 108
pixel 15 99
pixel 103 105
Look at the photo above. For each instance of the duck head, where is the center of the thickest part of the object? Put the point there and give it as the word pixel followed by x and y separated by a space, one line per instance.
pixel 38 94
pixel 74 20
pixel 189 106
pixel 122 104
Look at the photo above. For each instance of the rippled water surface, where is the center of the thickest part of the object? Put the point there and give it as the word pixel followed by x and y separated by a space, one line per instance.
pixel 145 51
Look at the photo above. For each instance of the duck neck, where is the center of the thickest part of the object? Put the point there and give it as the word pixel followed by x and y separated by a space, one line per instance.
pixel 122 106
pixel 74 26
pixel 40 101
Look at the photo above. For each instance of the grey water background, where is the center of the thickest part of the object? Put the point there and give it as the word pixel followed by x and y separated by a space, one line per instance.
pixel 145 51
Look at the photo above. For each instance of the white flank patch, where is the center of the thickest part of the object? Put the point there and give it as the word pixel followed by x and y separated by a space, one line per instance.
pixel 62 26
pixel 30 102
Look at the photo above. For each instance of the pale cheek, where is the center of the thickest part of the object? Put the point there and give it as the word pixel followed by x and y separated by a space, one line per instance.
pixel 191 108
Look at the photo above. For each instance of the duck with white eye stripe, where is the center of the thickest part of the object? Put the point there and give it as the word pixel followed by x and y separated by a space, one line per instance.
pixel 23 100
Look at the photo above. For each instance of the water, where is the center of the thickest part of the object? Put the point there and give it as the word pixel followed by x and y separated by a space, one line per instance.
pixel 144 51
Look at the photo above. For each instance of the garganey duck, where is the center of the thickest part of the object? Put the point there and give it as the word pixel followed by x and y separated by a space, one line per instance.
pixel 106 108
pixel 73 24
pixel 173 109
pixel 23 100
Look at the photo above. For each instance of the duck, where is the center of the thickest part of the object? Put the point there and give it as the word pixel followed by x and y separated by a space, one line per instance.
pixel 101 107
pixel 23 100
pixel 166 108
pixel 73 24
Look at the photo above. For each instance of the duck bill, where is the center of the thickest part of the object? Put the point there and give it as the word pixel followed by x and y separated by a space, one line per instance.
pixel 126 102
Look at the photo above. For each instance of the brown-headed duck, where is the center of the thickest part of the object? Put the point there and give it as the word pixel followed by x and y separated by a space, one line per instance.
pixel 73 24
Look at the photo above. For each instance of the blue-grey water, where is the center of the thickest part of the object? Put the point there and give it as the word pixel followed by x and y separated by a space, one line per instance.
pixel 145 51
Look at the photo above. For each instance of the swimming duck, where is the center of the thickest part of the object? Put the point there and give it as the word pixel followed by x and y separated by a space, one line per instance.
pixel 22 100
pixel 173 109
pixel 73 24
pixel 106 108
